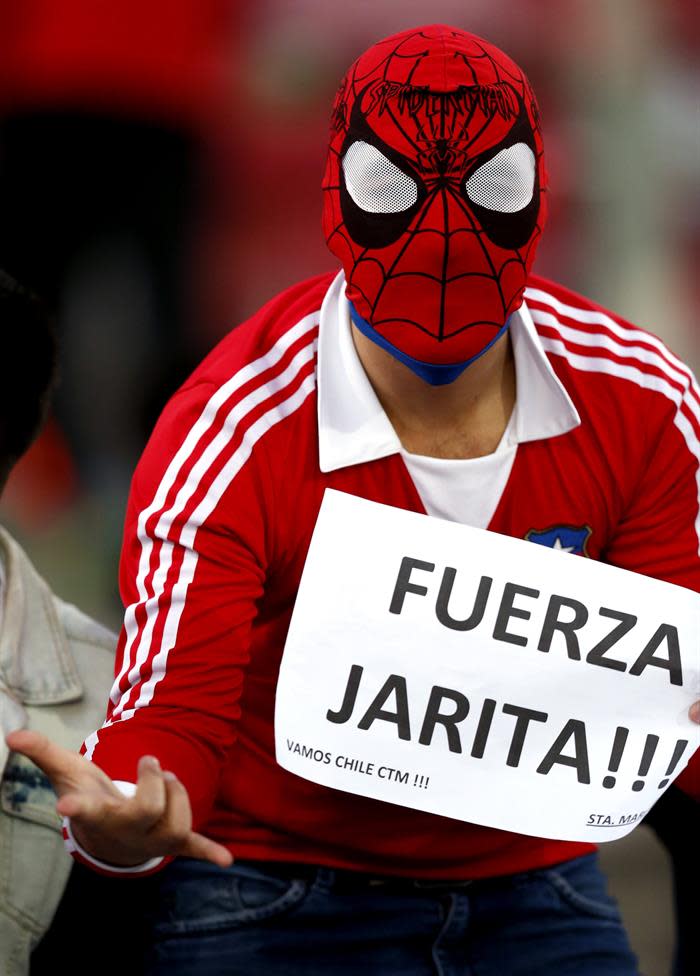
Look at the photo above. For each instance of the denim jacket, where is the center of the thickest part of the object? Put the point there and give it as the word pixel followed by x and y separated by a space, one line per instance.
pixel 56 668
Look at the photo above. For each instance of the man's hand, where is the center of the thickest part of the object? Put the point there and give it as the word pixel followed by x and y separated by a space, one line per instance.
pixel 120 830
pixel 694 712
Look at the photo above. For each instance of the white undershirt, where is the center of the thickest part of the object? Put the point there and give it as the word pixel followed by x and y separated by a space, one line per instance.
pixel 464 490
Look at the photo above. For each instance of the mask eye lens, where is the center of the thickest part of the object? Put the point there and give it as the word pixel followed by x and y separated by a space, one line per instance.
pixel 374 183
pixel 505 182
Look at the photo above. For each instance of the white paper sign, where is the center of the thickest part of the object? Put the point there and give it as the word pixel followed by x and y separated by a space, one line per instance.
pixel 484 678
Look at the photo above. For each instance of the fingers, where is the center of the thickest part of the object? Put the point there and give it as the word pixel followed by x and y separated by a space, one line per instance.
pixel 206 850
pixel 68 771
pixel 149 801
pixel 115 828
pixel 694 712
pixel 53 759
pixel 141 811
pixel 178 818
pixel 178 822
pixel 85 807
pixel 124 830
pixel 156 821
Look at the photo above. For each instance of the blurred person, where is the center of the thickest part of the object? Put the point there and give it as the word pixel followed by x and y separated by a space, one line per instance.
pixel 674 819
pixel 105 110
pixel 392 392
pixel 55 663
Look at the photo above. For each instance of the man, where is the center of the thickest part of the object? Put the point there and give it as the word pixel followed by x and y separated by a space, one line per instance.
pixel 417 378
pixel 55 663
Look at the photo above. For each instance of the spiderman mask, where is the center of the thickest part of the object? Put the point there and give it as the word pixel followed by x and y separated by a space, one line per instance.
pixel 434 195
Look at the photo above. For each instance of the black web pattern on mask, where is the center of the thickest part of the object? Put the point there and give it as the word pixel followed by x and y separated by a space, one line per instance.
pixel 520 256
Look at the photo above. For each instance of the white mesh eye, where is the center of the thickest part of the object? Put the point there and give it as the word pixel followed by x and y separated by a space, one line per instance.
pixel 506 181
pixel 374 183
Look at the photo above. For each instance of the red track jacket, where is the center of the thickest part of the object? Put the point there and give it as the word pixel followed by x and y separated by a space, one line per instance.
pixel 222 507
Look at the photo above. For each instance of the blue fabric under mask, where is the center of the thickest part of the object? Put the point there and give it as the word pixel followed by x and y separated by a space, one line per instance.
pixel 435 374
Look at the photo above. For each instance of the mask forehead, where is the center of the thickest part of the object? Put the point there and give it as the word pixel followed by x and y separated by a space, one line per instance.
pixel 439 133
pixel 422 88
pixel 436 57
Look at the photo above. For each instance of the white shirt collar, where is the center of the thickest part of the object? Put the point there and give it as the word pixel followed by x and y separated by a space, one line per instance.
pixel 352 425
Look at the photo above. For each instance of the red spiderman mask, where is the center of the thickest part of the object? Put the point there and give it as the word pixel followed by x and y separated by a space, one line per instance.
pixel 434 195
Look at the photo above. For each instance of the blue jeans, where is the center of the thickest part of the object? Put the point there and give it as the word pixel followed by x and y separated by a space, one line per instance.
pixel 254 919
